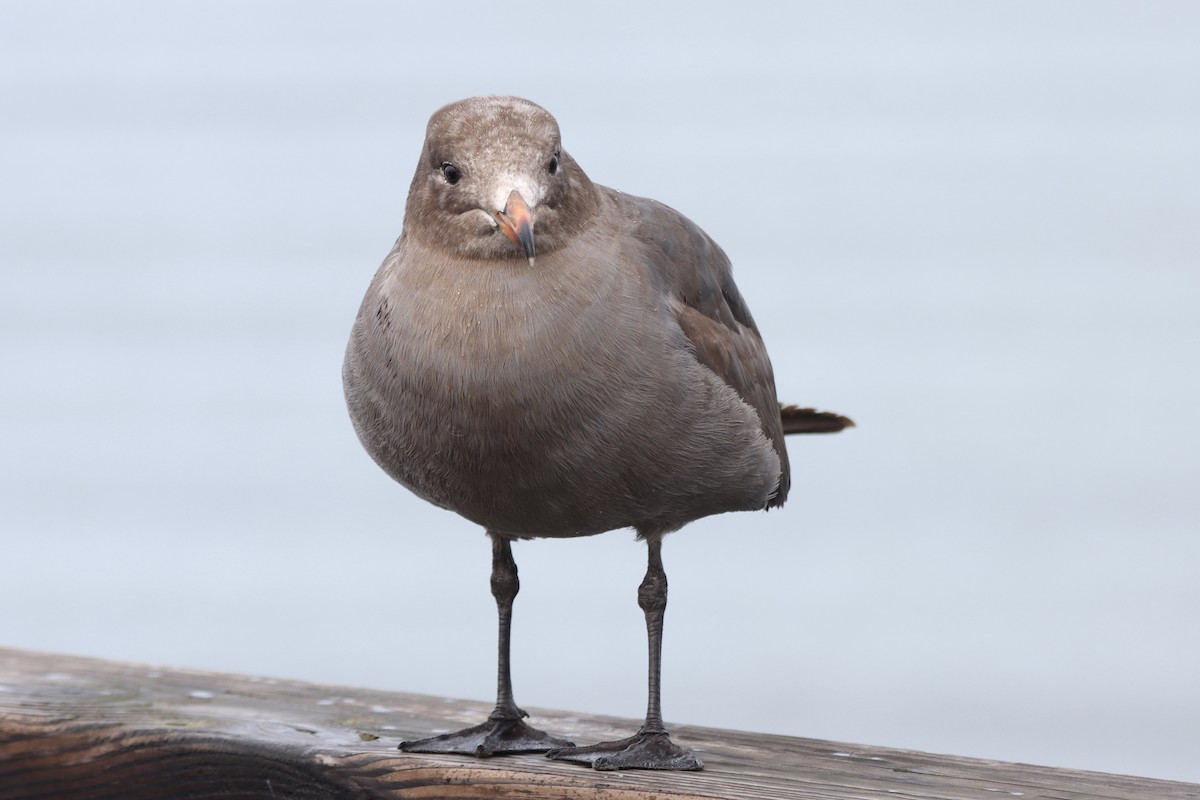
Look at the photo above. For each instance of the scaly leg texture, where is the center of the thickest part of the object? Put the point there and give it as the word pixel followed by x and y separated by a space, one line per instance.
pixel 651 747
pixel 504 731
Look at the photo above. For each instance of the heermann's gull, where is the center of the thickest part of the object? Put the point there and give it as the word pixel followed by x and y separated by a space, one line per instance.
pixel 617 381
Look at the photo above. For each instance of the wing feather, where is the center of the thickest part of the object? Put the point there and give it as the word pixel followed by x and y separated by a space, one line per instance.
pixel 697 275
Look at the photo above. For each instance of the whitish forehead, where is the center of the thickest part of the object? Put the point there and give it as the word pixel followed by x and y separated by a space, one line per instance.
pixel 488 126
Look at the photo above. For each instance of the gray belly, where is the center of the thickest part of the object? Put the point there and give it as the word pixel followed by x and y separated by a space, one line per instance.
pixel 565 452
pixel 550 419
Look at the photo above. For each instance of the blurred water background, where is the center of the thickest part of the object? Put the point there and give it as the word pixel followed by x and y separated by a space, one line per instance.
pixel 972 227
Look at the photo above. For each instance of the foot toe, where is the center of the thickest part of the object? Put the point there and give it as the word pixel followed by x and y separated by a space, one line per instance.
pixel 495 737
pixel 641 751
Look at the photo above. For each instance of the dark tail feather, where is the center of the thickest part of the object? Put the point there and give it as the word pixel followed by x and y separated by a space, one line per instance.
pixel 809 420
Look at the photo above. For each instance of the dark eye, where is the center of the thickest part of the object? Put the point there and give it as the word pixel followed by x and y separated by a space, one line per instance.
pixel 451 173
pixel 553 165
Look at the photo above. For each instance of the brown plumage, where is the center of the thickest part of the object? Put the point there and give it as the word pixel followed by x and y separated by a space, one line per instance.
pixel 549 357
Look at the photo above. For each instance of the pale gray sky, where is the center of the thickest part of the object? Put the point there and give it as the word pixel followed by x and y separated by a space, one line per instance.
pixel 972 227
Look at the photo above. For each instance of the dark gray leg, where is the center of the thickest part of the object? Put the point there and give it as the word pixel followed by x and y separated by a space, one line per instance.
pixel 650 747
pixel 505 586
pixel 504 732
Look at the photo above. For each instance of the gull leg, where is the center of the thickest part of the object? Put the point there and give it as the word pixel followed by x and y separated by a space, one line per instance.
pixel 651 747
pixel 504 731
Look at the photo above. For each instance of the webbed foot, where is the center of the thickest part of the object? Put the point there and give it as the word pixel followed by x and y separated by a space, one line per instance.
pixel 496 737
pixel 641 751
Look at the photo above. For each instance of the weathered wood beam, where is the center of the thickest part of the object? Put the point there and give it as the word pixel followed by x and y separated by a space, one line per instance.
pixel 84 728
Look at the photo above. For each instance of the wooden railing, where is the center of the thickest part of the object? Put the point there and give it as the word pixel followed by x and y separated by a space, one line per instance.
pixel 83 728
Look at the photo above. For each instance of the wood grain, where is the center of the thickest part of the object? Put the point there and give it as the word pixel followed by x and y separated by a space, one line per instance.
pixel 83 728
